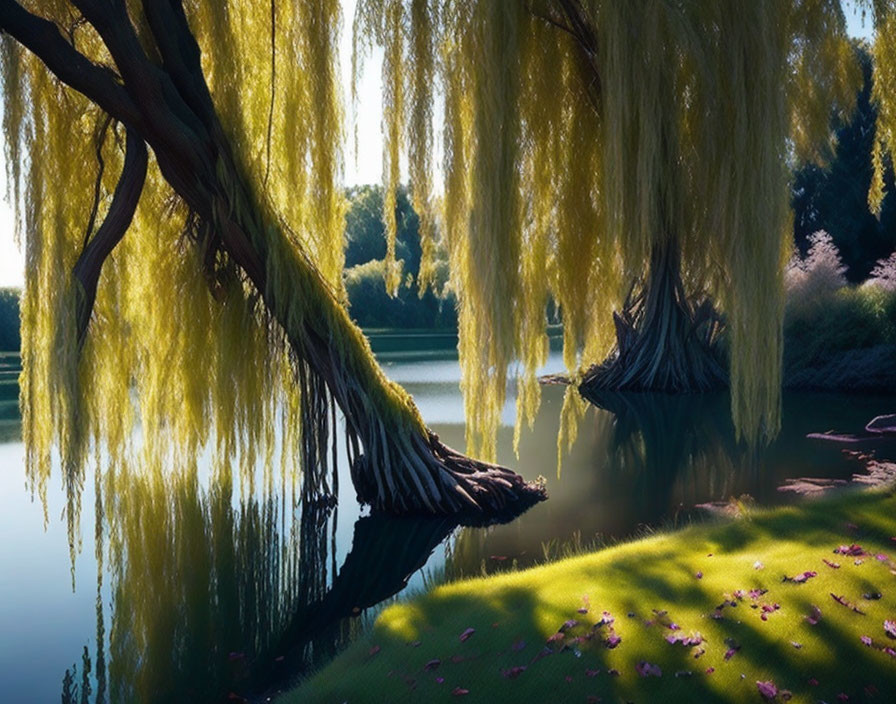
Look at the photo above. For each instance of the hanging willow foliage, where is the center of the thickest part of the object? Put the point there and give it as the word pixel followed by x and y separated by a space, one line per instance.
pixel 202 358
pixel 220 317
pixel 884 95
pixel 586 138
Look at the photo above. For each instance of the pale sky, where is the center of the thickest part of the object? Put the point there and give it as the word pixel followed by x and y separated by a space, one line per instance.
pixel 367 168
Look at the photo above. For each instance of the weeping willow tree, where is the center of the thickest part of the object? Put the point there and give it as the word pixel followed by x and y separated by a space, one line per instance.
pixel 627 156
pixel 175 167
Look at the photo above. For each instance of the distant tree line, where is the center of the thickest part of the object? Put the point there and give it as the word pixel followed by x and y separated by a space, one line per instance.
pixel 365 267
pixel 9 320
pixel 834 197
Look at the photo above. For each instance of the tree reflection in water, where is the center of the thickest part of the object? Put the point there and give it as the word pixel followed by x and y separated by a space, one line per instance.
pixel 212 594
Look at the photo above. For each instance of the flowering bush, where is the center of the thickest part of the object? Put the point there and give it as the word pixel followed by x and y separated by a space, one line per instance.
pixel 814 278
pixel 883 274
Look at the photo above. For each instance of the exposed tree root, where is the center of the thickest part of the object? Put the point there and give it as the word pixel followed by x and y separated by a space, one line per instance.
pixel 481 492
pixel 664 341
pixel 169 106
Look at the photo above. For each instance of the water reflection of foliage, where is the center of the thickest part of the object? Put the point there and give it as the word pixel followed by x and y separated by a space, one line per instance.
pixel 642 459
pixel 212 594
pixel 201 587
pixel 669 443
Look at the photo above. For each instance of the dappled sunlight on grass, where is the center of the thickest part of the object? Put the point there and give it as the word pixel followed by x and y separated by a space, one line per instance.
pixel 703 614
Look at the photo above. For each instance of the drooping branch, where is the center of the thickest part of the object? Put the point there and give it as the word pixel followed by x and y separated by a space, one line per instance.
pixel 99 139
pixel 180 55
pixel 121 211
pixel 585 35
pixel 42 37
pixel 178 136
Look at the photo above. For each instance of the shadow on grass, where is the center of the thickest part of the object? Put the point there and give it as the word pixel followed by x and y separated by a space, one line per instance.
pixel 701 615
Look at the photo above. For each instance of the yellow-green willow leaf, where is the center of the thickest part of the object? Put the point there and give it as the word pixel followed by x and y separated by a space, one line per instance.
pixel 565 171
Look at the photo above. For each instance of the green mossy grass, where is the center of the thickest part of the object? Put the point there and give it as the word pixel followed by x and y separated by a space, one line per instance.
pixel 688 574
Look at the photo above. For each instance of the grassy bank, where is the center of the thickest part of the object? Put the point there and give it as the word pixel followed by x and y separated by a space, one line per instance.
pixel 703 614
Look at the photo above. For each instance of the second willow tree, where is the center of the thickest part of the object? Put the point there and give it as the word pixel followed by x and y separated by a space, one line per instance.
pixel 630 156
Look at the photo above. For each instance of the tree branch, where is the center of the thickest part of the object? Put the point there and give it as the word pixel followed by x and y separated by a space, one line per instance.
pixel 178 136
pixel 586 37
pixel 124 203
pixel 180 55
pixel 43 38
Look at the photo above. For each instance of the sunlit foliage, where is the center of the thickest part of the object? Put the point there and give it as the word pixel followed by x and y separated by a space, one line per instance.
pixel 189 359
pixel 221 316
pixel 884 94
pixel 566 166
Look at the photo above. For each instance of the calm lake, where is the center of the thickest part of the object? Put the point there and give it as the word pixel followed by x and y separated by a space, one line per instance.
pixel 202 588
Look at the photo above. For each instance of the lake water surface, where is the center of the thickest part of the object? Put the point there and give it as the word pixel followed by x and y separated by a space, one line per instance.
pixel 198 589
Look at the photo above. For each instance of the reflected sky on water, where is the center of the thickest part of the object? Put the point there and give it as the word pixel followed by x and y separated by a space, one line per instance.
pixel 200 588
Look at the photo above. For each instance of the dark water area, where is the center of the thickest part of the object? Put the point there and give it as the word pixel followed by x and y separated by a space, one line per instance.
pixel 201 589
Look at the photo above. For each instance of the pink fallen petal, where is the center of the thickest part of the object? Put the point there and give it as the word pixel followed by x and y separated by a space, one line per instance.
pixel 518 646
pixel 440 680
pixel 843 697
pixel 851 550
pixel 796 645
pixel 591 673
pixel 881 557
pixel 758 565
pixel 699 575
pixel 842 600
pixel 674 627
pixel 813 682
pixel 572 623
pixel 556 637
pixel 373 651
pixel 767 689
pixel 804 577
pixel 466 634
pixel 710 670
pixel 646 669
pixel 890 628
pixel 866 640
pixel 583 610
pixel 432 665
pixel 890 652
pixel 814 615
pixel 832 565
pixel 612 641
pixel 514 672
pixel 730 653
pixel 460 692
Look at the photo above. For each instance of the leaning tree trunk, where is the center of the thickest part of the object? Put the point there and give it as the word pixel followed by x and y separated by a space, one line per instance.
pixel 398 465
pixel 664 342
